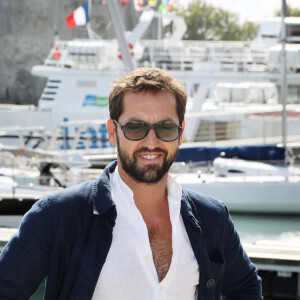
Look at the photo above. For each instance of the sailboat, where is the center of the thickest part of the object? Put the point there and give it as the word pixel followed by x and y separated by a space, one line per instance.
pixel 249 186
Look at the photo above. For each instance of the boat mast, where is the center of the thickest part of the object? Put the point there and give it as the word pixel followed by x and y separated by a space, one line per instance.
pixel 120 33
pixel 283 79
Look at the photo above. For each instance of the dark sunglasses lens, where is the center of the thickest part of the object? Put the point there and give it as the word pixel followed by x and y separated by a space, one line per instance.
pixel 135 130
pixel 166 132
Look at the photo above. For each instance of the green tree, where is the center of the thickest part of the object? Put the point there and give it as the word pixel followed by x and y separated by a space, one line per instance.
pixel 291 12
pixel 207 22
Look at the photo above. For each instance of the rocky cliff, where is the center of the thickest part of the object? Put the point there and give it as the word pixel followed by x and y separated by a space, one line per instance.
pixel 26 36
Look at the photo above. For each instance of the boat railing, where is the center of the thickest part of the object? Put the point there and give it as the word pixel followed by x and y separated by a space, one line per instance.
pixel 25 135
pixel 247 126
pixel 202 56
pixel 183 56
pixel 82 54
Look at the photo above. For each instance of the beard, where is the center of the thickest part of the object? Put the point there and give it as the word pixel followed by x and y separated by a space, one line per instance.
pixel 152 173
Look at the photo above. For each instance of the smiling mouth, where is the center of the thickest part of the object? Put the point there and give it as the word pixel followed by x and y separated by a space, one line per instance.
pixel 150 156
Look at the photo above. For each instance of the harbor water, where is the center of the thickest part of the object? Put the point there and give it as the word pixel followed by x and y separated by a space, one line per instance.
pixel 254 228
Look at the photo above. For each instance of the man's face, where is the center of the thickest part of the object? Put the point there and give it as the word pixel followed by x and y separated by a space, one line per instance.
pixel 149 159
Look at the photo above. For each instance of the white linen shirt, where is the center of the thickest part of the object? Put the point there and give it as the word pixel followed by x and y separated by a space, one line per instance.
pixel 129 272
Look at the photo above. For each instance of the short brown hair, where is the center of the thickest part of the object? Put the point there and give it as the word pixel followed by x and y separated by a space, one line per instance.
pixel 152 80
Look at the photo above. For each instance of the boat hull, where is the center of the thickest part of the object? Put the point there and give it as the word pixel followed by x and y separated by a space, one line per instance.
pixel 276 197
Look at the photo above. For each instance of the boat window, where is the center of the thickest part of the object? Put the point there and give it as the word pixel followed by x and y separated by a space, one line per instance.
pixel 235 171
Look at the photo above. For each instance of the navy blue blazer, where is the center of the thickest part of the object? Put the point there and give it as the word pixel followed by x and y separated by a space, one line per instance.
pixel 66 237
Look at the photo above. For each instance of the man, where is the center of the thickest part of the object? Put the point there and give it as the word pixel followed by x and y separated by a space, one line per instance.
pixel 134 233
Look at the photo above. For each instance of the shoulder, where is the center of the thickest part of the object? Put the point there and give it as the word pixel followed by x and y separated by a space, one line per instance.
pixel 73 203
pixel 61 206
pixel 60 216
pixel 72 196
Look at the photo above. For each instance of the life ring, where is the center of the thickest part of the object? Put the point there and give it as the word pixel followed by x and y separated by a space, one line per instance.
pixel 130 46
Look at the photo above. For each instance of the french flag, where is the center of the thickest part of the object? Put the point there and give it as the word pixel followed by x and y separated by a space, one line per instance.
pixel 78 17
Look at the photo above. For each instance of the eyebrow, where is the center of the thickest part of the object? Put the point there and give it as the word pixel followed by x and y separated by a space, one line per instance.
pixel 168 120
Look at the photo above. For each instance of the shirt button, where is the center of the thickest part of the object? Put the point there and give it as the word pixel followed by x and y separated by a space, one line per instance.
pixel 161 288
pixel 147 256
pixel 210 283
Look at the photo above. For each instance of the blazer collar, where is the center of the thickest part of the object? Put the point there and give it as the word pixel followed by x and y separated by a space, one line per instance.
pixel 102 200
pixel 188 210
pixel 101 194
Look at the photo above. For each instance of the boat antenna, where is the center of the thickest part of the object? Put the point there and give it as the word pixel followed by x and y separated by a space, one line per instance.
pixel 283 80
pixel 54 26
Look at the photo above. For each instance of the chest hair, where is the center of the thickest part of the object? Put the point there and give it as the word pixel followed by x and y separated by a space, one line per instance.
pixel 161 246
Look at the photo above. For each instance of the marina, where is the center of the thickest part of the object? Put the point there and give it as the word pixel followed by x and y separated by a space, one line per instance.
pixel 241 143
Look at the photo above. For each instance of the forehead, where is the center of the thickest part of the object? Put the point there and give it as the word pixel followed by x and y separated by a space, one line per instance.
pixel 149 107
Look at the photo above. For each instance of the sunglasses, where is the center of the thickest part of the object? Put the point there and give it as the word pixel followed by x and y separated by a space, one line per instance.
pixel 136 131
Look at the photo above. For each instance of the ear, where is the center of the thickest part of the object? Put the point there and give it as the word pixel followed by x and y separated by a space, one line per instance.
pixel 180 138
pixel 111 129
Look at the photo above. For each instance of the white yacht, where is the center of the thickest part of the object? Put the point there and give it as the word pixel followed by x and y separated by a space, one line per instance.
pixel 247 186
pixel 232 86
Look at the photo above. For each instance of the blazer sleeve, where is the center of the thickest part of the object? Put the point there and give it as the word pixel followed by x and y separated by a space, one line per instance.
pixel 24 260
pixel 240 280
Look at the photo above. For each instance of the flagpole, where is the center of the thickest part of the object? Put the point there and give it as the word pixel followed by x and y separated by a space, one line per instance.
pixel 283 80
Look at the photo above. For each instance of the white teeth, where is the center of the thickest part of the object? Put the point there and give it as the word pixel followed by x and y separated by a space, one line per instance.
pixel 149 156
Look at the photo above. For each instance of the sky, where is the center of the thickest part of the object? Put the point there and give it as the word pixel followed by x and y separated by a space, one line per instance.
pixel 251 9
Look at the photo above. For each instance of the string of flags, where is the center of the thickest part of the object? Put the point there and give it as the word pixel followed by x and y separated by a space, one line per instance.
pixel 165 4
pixel 138 4
pixel 80 16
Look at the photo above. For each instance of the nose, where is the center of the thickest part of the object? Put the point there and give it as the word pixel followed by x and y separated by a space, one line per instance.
pixel 151 140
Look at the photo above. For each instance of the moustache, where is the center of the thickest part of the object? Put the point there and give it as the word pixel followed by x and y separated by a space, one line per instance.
pixel 145 149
